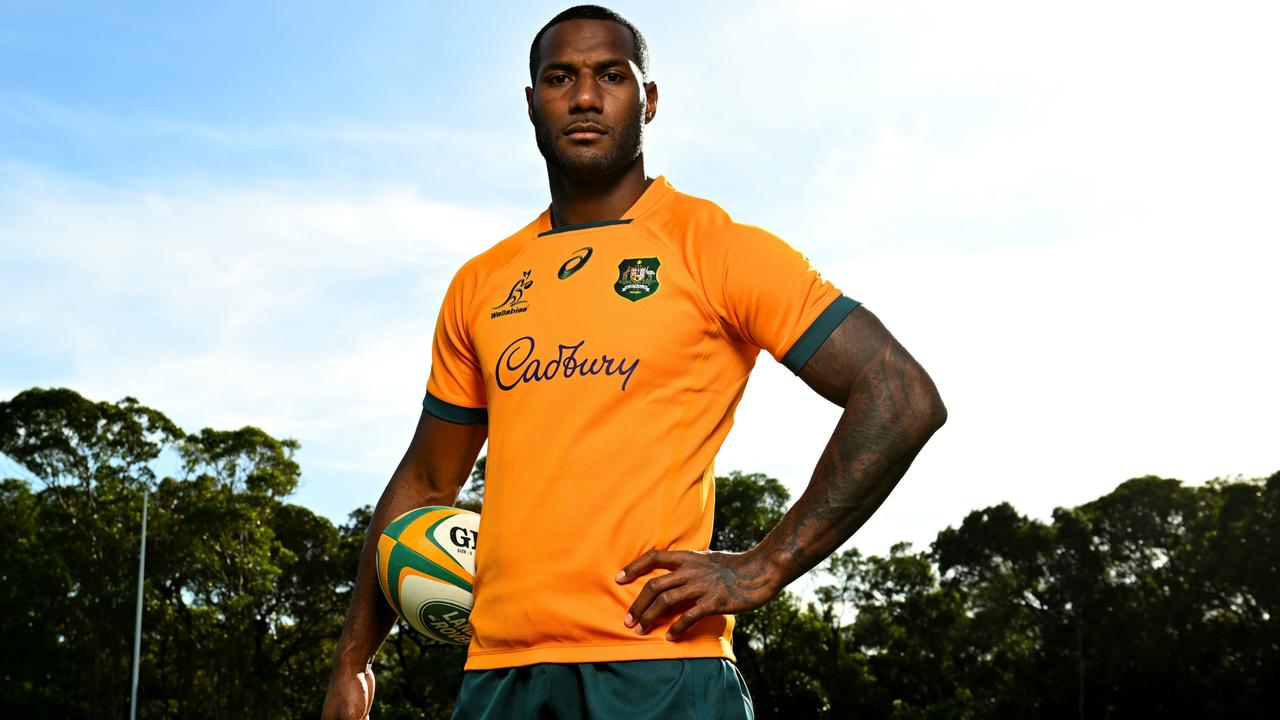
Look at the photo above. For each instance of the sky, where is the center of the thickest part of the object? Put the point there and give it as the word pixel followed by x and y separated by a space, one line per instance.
pixel 247 213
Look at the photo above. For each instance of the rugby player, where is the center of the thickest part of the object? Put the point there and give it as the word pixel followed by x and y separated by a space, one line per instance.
pixel 602 350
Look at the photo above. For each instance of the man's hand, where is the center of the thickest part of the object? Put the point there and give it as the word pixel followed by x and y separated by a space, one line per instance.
pixel 438 460
pixel 350 695
pixel 700 584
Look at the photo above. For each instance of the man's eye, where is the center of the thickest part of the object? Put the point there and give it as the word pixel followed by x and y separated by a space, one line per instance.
pixel 558 79
pixel 613 77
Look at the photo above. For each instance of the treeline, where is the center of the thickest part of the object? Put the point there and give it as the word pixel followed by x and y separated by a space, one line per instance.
pixel 1157 598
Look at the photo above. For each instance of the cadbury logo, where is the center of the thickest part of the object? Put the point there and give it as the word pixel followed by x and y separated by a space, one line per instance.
pixel 517 365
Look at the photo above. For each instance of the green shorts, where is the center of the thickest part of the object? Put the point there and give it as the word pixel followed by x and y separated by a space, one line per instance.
pixel 696 689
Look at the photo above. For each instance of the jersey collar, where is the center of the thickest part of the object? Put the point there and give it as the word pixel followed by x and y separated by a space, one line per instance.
pixel 657 191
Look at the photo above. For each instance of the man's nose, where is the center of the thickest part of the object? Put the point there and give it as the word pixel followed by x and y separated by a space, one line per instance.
pixel 586 96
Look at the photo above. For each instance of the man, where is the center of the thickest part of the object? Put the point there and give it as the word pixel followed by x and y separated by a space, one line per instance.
pixel 602 350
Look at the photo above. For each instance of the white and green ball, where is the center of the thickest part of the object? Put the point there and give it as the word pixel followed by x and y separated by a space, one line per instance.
pixel 427 567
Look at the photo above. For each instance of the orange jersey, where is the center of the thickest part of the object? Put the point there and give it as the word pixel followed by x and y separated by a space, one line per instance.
pixel 607 360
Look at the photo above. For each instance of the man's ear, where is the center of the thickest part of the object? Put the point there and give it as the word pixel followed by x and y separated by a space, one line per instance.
pixel 528 100
pixel 651 101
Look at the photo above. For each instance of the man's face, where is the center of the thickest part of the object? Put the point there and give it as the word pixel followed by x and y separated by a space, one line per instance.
pixel 588 104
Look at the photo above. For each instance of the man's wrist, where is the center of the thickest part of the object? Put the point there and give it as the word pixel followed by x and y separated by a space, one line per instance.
pixel 772 567
pixel 343 666
pixel 348 658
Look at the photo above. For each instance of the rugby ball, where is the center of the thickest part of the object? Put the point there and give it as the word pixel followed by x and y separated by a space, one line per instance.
pixel 427 566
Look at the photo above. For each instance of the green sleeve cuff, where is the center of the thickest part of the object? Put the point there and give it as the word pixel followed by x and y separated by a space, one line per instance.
pixel 818 332
pixel 454 413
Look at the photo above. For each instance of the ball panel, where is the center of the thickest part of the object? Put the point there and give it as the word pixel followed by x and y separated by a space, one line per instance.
pixel 446 538
pixel 435 609
pixel 382 557
pixel 402 556
pixel 457 537
pixel 396 527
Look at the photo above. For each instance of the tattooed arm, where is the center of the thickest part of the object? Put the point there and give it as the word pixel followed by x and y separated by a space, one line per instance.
pixel 891 408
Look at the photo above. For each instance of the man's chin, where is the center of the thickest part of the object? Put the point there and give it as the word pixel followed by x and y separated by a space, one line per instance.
pixel 582 155
pixel 582 167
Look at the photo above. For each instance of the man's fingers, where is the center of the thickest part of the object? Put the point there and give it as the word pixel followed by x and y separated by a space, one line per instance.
pixel 687 620
pixel 651 590
pixel 662 606
pixel 646 562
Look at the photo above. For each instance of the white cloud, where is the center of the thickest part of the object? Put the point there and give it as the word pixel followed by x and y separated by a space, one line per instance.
pixel 1066 214
pixel 308 312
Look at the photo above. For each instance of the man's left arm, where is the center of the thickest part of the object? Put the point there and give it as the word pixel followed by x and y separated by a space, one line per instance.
pixel 891 408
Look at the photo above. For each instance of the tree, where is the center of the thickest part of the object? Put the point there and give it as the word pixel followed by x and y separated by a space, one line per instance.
pixel 243 591
pixel 93 459
pixel 748 506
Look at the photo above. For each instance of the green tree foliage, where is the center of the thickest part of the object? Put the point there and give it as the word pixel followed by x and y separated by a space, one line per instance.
pixel 244 594
pixel 1151 599
pixel 1155 598
pixel 747 508
pixel 72 547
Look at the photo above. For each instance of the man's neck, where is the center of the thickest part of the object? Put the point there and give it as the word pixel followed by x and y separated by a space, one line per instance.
pixel 579 204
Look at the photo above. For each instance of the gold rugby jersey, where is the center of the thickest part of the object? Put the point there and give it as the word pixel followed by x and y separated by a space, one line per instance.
pixel 607 360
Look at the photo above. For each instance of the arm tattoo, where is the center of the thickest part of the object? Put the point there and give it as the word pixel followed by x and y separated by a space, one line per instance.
pixel 891 410
pixel 741 582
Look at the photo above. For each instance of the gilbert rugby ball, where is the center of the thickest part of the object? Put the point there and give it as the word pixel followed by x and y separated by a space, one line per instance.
pixel 427 566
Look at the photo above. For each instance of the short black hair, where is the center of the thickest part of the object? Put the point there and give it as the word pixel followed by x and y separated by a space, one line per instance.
pixel 589 12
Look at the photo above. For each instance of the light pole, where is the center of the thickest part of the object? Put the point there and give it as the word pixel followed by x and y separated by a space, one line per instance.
pixel 137 625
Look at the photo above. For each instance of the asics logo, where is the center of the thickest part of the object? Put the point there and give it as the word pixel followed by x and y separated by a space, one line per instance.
pixel 574 263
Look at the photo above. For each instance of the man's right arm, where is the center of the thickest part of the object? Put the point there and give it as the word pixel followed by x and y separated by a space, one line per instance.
pixel 435 466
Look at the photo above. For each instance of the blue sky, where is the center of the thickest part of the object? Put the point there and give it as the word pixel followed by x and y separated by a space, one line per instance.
pixel 247 213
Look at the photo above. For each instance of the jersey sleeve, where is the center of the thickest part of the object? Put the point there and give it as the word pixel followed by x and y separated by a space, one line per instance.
pixel 772 297
pixel 455 388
